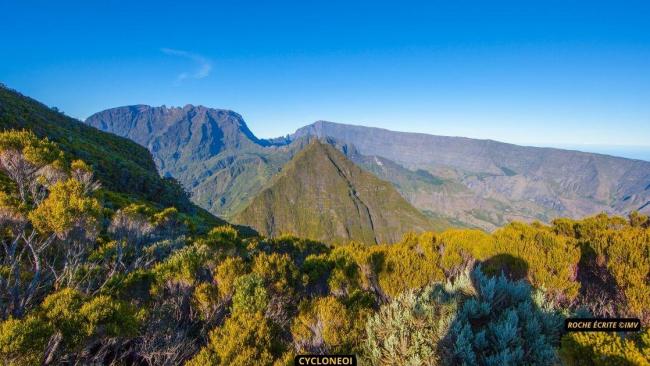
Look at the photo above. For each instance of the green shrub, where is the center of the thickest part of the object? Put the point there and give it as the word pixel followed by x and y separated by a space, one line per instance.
pixel 551 259
pixel 325 325
pixel 227 273
pixel 244 338
pixel 407 330
pixel 250 294
pixel 605 349
pixel 23 341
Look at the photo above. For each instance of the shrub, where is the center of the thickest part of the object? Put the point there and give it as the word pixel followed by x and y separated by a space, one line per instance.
pixel 500 325
pixel 227 273
pixel 345 276
pixel 67 207
pixel 250 295
pixel 278 271
pixel 325 325
pixel 412 264
pixel 183 266
pixel 244 338
pixel 65 321
pixel 628 260
pixel 605 349
pixel 551 260
pixel 459 246
pixel 407 330
pixel 206 299
pixel 105 316
pixel 23 341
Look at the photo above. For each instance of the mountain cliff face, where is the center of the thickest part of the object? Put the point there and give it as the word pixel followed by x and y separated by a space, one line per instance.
pixel 486 183
pixel 210 151
pixel 177 136
pixel 322 195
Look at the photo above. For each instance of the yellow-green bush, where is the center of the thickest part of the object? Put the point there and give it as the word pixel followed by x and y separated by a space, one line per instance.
pixel 66 206
pixel 277 270
pixel 458 246
pixel 23 341
pixel 408 265
pixel 628 260
pixel 226 273
pixel 551 259
pixel 605 349
pixel 325 325
pixel 244 338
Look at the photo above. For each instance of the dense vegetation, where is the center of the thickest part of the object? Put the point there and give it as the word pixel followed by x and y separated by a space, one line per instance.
pixel 92 272
pixel 82 283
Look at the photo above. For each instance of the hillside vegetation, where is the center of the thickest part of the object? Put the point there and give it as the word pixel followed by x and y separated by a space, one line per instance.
pixel 92 272
pixel 323 196
pixel 120 165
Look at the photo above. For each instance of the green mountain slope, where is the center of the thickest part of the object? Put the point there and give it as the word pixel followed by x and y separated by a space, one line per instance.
pixel 125 169
pixel 322 195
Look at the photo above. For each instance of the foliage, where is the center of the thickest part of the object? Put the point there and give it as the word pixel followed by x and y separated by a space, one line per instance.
pixel 407 330
pixel 459 246
pixel 600 349
pixel 411 265
pixel 66 319
pixel 182 266
pixel 227 273
pixel 244 337
pixel 65 208
pixel 501 325
pixel 327 326
pixel 250 294
pixel 622 248
pixel 22 339
pixel 277 270
pixel 551 260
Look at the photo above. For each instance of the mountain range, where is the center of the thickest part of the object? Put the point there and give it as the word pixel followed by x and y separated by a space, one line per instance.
pixel 454 181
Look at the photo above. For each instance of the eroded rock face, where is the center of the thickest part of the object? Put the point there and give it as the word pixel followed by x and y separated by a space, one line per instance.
pixel 210 151
pixel 502 181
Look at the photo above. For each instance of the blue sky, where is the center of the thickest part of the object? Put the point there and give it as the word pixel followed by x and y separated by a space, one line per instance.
pixel 531 72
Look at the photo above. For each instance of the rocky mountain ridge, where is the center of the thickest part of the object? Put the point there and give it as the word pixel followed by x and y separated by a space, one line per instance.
pixel 469 182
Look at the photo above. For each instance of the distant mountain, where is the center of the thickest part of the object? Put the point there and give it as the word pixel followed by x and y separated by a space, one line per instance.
pixel 322 195
pixel 211 151
pixel 178 135
pixel 486 183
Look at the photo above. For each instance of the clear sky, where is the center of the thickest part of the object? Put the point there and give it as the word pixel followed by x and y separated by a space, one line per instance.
pixel 533 72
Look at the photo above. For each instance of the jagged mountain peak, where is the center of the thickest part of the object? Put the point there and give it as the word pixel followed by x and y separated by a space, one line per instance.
pixel 178 135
